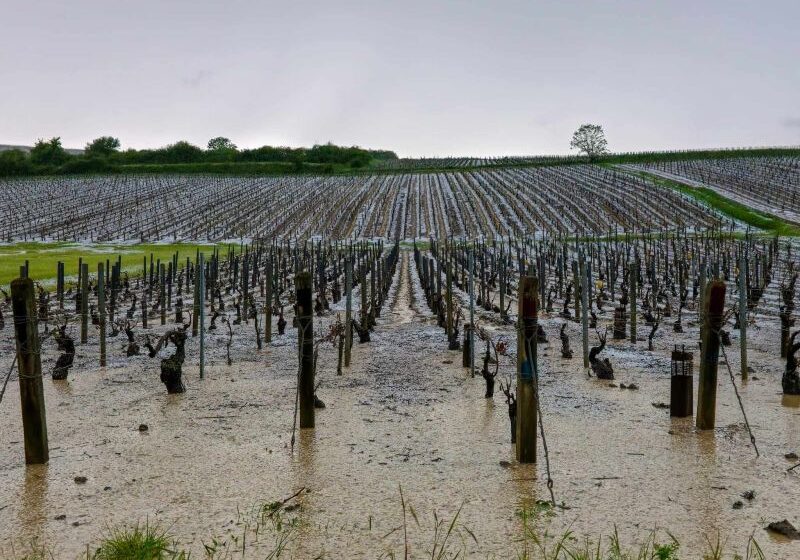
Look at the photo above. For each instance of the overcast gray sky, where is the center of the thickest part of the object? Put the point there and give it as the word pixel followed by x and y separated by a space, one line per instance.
pixel 419 77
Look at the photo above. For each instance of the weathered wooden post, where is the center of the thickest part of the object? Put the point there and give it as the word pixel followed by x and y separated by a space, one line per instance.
pixel 348 314
pixel 188 273
pixel 245 289
pixel 114 291
pixel 268 301
pixel 527 374
pixel 196 300
pixel 101 310
pixel 202 326
pixel 305 348
pixel 169 285
pixel 501 274
pixel 84 303
pixel 633 278
pixel 472 310
pixel 434 282
pixel 451 338
pixel 701 304
pixel 438 279
pixel 362 283
pixel 373 296
pixel 543 270
pixel 714 302
pixel 584 310
pixel 144 309
pixel 576 289
pixel 743 310
pixel 162 280
pixel 78 287
pixel 60 284
pixel 31 390
pixel 589 283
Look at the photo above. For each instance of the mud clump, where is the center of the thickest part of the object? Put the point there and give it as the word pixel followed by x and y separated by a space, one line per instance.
pixel 784 528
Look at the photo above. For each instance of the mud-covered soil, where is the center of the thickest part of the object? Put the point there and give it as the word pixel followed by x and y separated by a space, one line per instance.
pixel 405 414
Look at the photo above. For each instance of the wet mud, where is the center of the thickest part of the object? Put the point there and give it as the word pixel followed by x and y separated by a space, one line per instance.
pixel 405 414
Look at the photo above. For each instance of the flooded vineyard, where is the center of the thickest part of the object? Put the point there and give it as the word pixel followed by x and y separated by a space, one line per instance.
pixel 179 395
pixel 399 280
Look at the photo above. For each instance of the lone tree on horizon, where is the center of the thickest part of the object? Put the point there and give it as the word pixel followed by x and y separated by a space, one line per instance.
pixel 103 146
pixel 220 143
pixel 590 140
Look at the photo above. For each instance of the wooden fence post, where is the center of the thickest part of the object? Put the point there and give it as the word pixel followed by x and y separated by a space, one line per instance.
pixel 202 326
pixel 31 390
pixel 169 286
pixel 60 284
pixel 101 311
pixel 501 277
pixel 472 311
pixel 84 303
pixel 452 341
pixel 362 282
pixel 348 314
pixel 268 301
pixel 714 302
pixel 527 369
pixel 701 304
pixel 162 299
pixel 633 278
pixel 743 310
pixel 584 310
pixel 196 300
pixel 305 348
pixel 373 288
pixel 78 286
pixel 576 289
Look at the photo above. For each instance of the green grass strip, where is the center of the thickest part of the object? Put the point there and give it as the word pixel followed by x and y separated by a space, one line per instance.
pixel 731 208
pixel 43 257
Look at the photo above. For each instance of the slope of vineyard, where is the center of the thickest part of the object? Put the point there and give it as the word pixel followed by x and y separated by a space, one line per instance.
pixel 581 199
pixel 767 184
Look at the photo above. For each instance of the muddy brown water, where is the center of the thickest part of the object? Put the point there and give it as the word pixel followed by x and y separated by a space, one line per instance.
pixel 404 415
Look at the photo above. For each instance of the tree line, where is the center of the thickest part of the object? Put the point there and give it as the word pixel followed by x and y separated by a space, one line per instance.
pixel 104 155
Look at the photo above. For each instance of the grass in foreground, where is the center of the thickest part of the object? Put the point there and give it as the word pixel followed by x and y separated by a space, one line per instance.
pixel 447 539
pixel 138 543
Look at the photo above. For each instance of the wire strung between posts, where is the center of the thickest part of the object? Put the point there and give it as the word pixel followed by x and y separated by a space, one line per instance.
pixel 296 391
pixel 535 371
pixel 8 376
pixel 23 321
pixel 738 397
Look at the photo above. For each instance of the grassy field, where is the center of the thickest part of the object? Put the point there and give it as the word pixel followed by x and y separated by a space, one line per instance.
pixel 43 257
